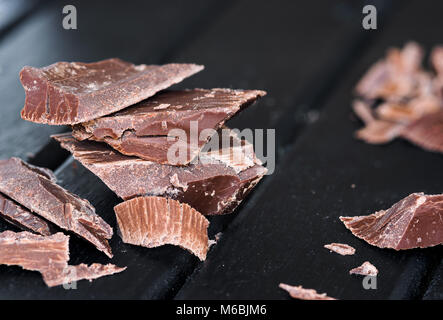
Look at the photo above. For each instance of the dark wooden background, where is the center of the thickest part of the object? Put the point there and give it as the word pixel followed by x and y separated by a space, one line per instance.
pixel 308 55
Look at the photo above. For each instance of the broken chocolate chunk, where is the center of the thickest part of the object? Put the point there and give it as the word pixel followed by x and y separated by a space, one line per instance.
pixel 366 269
pixel 155 221
pixel 414 222
pixel 142 130
pixel 75 92
pixel 298 292
pixel 49 255
pixel 215 184
pixel 340 248
pixel 426 132
pixel 22 218
pixel 33 190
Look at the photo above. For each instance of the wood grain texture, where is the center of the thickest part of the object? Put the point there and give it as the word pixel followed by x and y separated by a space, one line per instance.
pixel 280 237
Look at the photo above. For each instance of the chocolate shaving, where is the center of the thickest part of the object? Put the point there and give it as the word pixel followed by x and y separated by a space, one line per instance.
pixel 413 100
pixel 366 269
pixel 414 222
pixel 144 130
pixel 211 185
pixel 49 255
pixel 22 218
pixel 33 190
pixel 426 132
pixel 340 248
pixel 75 92
pixel 298 292
pixel 155 221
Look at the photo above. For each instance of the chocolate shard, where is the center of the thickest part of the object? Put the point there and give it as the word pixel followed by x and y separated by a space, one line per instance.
pixel 75 92
pixel 298 292
pixel 43 197
pixel 22 218
pixel 426 132
pixel 340 248
pixel 414 222
pixel 155 221
pixel 375 131
pixel 79 272
pixel 142 130
pixel 49 255
pixel 366 269
pixel 215 184
pixel 394 77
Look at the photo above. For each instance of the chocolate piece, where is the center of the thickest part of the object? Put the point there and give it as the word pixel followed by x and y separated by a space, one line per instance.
pixel 22 218
pixel 340 248
pixel 49 255
pixel 74 92
pixel 414 222
pixel 437 59
pixel 81 272
pixel 394 77
pixel 142 130
pixel 212 185
pixel 366 269
pixel 298 292
pixel 33 190
pixel 426 132
pixel 375 131
pixel 155 221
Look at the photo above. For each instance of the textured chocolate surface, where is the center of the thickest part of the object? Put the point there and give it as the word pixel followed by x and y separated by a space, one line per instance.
pixel 366 269
pixel 414 222
pixel 340 248
pixel 33 190
pixel 49 255
pixel 74 92
pixel 155 221
pixel 298 292
pixel 22 218
pixel 213 185
pixel 142 130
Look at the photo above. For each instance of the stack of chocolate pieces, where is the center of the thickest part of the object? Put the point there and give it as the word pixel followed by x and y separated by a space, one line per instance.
pixel 168 154
pixel 399 98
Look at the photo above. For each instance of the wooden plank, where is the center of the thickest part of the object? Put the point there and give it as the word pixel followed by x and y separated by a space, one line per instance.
pixel 280 237
pixel 13 11
pixel 435 289
pixel 160 272
pixel 138 31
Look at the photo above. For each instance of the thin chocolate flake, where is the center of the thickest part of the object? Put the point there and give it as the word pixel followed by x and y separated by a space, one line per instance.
pixel 142 130
pixel 414 222
pixel 43 197
pixel 155 221
pixel 395 76
pixel 212 185
pixel 340 248
pixel 298 292
pixel 426 132
pixel 48 255
pixel 75 92
pixel 375 131
pixel 366 269
pixel 412 104
pixel 22 218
